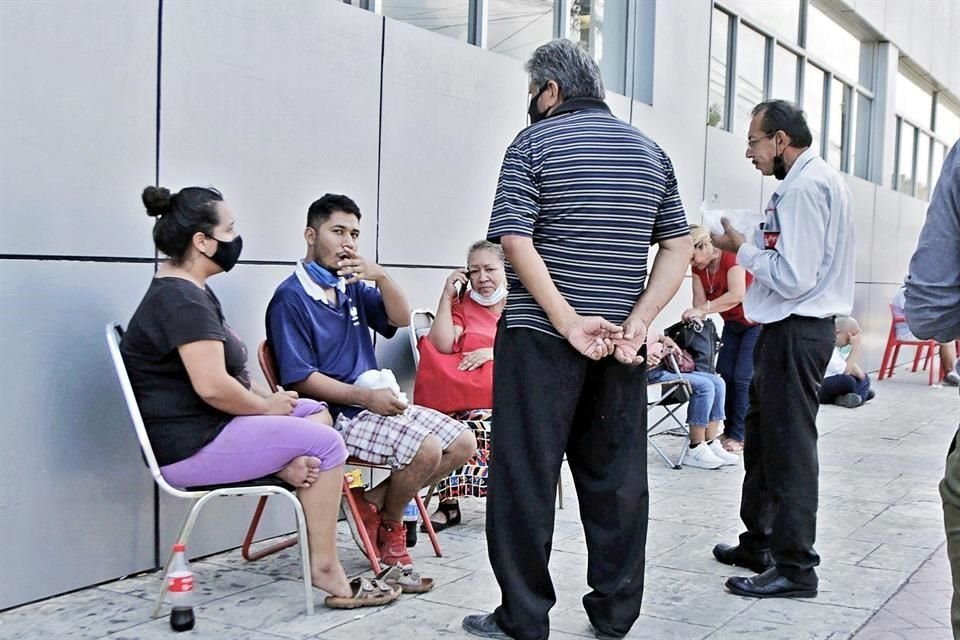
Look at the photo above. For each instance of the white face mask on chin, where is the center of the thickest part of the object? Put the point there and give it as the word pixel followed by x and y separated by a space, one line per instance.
pixel 492 299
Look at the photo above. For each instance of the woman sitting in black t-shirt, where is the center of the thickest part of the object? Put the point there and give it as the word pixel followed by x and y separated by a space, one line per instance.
pixel 207 423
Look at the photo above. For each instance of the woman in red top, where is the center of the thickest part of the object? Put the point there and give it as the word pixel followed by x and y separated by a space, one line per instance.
pixel 466 325
pixel 718 287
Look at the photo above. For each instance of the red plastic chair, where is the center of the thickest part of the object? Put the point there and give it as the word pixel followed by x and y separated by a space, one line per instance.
pixel 888 364
pixel 268 365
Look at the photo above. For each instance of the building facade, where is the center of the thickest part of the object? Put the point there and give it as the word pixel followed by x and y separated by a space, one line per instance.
pixel 407 106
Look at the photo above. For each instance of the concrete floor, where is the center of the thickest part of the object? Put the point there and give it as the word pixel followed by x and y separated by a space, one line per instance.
pixel 883 576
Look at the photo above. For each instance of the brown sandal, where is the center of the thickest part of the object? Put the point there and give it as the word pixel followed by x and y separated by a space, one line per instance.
pixel 366 593
pixel 408 580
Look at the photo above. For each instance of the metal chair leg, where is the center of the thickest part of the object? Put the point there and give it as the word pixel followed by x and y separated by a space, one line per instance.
pixel 368 546
pixel 250 556
pixel 428 526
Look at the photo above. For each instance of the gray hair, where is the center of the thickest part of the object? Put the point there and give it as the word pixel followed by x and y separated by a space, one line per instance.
pixel 486 245
pixel 569 66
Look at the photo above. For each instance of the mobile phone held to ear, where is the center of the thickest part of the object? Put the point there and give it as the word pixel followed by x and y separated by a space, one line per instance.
pixel 461 291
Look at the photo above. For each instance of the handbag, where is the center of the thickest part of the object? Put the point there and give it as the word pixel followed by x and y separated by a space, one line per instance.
pixel 699 339
pixel 440 384
pixel 685 362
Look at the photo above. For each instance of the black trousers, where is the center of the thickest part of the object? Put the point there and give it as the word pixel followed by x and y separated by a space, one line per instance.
pixel 547 400
pixel 780 488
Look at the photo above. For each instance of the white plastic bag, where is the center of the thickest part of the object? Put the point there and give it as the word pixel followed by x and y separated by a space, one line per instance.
pixel 382 379
pixel 746 221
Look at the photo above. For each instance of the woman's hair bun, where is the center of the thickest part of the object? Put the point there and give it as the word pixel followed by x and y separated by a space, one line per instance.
pixel 157 200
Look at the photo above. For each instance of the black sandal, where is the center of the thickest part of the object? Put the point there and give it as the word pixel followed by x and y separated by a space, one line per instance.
pixel 451 510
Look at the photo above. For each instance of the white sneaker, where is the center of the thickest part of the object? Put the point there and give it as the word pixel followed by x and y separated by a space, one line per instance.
pixel 952 379
pixel 725 456
pixel 701 457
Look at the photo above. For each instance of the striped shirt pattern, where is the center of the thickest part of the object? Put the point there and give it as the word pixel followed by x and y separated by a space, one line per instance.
pixel 593 192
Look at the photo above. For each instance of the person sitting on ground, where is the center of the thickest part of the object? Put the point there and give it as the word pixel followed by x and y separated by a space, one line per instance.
pixel 207 422
pixel 948 350
pixel 845 383
pixel 318 324
pixel 705 411
pixel 456 367
pixel 719 287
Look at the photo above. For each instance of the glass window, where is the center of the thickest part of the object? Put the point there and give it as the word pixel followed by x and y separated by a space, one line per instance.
pixel 719 42
pixel 839 104
pixel 600 28
pixel 751 50
pixel 923 166
pixel 781 17
pixel 833 44
pixel 860 138
pixel 784 75
pixel 904 178
pixel 947 122
pixel 936 163
pixel 813 102
pixel 448 17
pixel 517 27
pixel 913 102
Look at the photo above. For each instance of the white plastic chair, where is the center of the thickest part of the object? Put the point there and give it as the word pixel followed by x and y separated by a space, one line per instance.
pixel 200 496
pixel 420 322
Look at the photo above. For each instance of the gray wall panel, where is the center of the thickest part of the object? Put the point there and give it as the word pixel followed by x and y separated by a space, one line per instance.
pixel 76 501
pixel 729 175
pixel 77 126
pixel 873 11
pixel 448 121
pixel 913 213
pixel 679 107
pixel 886 226
pixel 863 214
pixel 275 103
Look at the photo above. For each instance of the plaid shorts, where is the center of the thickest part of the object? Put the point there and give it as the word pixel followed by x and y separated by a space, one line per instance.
pixel 395 440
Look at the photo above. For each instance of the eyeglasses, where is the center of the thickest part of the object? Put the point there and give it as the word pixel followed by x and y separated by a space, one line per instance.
pixel 752 142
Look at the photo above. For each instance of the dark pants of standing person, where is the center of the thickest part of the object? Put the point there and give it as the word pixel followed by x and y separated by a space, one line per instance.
pixel 735 366
pixel 950 494
pixel 840 385
pixel 780 487
pixel 548 399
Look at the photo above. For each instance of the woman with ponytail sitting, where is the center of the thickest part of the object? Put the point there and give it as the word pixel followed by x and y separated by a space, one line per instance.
pixel 207 423
pixel 456 366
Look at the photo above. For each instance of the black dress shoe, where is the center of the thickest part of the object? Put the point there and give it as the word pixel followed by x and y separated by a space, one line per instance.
pixel 483 625
pixel 736 557
pixel 770 584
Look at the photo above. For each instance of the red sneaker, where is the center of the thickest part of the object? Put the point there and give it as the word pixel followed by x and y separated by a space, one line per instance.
pixel 392 544
pixel 369 514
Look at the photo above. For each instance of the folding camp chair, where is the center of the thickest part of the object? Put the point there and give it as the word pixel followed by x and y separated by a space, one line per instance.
pixel 674 394
pixel 263 487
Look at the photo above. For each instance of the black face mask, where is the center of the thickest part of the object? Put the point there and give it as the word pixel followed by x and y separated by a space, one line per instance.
pixel 532 111
pixel 227 253
pixel 779 167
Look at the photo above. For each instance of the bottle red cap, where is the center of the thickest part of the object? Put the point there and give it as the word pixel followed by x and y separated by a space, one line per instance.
pixel 179 547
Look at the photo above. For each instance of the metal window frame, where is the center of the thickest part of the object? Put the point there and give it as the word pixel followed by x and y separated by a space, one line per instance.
pixel 853 86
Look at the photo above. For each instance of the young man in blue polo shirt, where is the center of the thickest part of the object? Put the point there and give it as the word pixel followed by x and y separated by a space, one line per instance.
pixel 318 325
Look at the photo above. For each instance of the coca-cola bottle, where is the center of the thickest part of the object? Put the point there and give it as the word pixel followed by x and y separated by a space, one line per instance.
pixel 180 590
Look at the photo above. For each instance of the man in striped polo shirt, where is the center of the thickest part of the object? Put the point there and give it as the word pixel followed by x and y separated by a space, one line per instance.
pixel 581 197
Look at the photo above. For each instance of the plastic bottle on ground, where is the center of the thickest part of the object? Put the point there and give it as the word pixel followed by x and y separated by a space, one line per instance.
pixel 180 590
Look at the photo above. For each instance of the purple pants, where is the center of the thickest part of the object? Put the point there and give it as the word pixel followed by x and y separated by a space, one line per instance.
pixel 251 447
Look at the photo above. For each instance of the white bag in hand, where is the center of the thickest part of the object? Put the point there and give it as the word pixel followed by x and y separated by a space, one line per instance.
pixel 746 221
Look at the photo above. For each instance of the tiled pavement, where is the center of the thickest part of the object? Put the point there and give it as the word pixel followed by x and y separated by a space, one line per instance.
pixel 884 573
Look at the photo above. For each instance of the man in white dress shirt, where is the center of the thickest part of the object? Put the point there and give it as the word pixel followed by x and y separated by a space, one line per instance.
pixel 802 261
